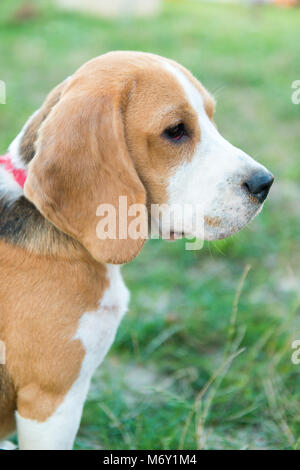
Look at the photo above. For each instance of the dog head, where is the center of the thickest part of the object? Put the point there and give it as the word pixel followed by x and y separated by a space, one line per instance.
pixel 141 126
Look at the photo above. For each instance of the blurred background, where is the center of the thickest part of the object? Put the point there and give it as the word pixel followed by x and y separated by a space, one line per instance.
pixel 203 357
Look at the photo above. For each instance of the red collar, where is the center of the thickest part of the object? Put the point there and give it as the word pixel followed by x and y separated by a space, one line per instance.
pixel 18 174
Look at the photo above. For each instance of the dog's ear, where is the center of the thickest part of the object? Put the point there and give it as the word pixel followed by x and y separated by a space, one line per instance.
pixel 82 162
pixel 26 149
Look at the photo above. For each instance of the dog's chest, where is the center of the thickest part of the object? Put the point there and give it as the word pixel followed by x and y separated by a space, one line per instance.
pixel 97 329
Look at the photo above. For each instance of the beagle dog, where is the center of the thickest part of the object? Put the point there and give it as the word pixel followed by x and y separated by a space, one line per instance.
pixel 125 124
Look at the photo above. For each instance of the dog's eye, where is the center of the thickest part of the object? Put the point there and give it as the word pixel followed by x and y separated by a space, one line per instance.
pixel 176 133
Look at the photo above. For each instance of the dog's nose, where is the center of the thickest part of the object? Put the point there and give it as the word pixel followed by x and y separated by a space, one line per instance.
pixel 259 184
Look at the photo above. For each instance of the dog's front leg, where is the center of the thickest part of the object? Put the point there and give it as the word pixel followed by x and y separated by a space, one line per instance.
pixel 50 420
pixel 58 431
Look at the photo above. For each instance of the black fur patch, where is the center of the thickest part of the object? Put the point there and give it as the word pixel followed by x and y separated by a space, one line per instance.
pixel 22 224
pixel 15 219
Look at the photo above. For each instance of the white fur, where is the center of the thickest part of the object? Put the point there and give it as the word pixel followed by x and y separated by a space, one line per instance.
pixel 7 445
pixel 214 176
pixel 9 188
pixel 96 331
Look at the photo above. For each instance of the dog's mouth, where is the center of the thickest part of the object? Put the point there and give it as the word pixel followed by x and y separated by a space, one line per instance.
pixel 173 236
pixel 176 236
pixel 216 225
pixel 165 232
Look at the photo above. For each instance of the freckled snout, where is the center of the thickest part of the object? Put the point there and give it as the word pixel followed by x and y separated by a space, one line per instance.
pixel 259 184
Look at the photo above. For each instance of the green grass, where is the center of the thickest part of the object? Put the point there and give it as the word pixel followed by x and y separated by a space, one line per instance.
pixel 178 375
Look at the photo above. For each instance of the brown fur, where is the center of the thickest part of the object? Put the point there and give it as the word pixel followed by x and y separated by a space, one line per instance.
pixel 42 309
pixel 7 403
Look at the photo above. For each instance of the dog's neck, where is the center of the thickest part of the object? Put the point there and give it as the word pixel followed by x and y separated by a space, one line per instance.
pixel 21 223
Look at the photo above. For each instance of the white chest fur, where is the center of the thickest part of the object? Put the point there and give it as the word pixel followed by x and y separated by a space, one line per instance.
pixel 97 329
